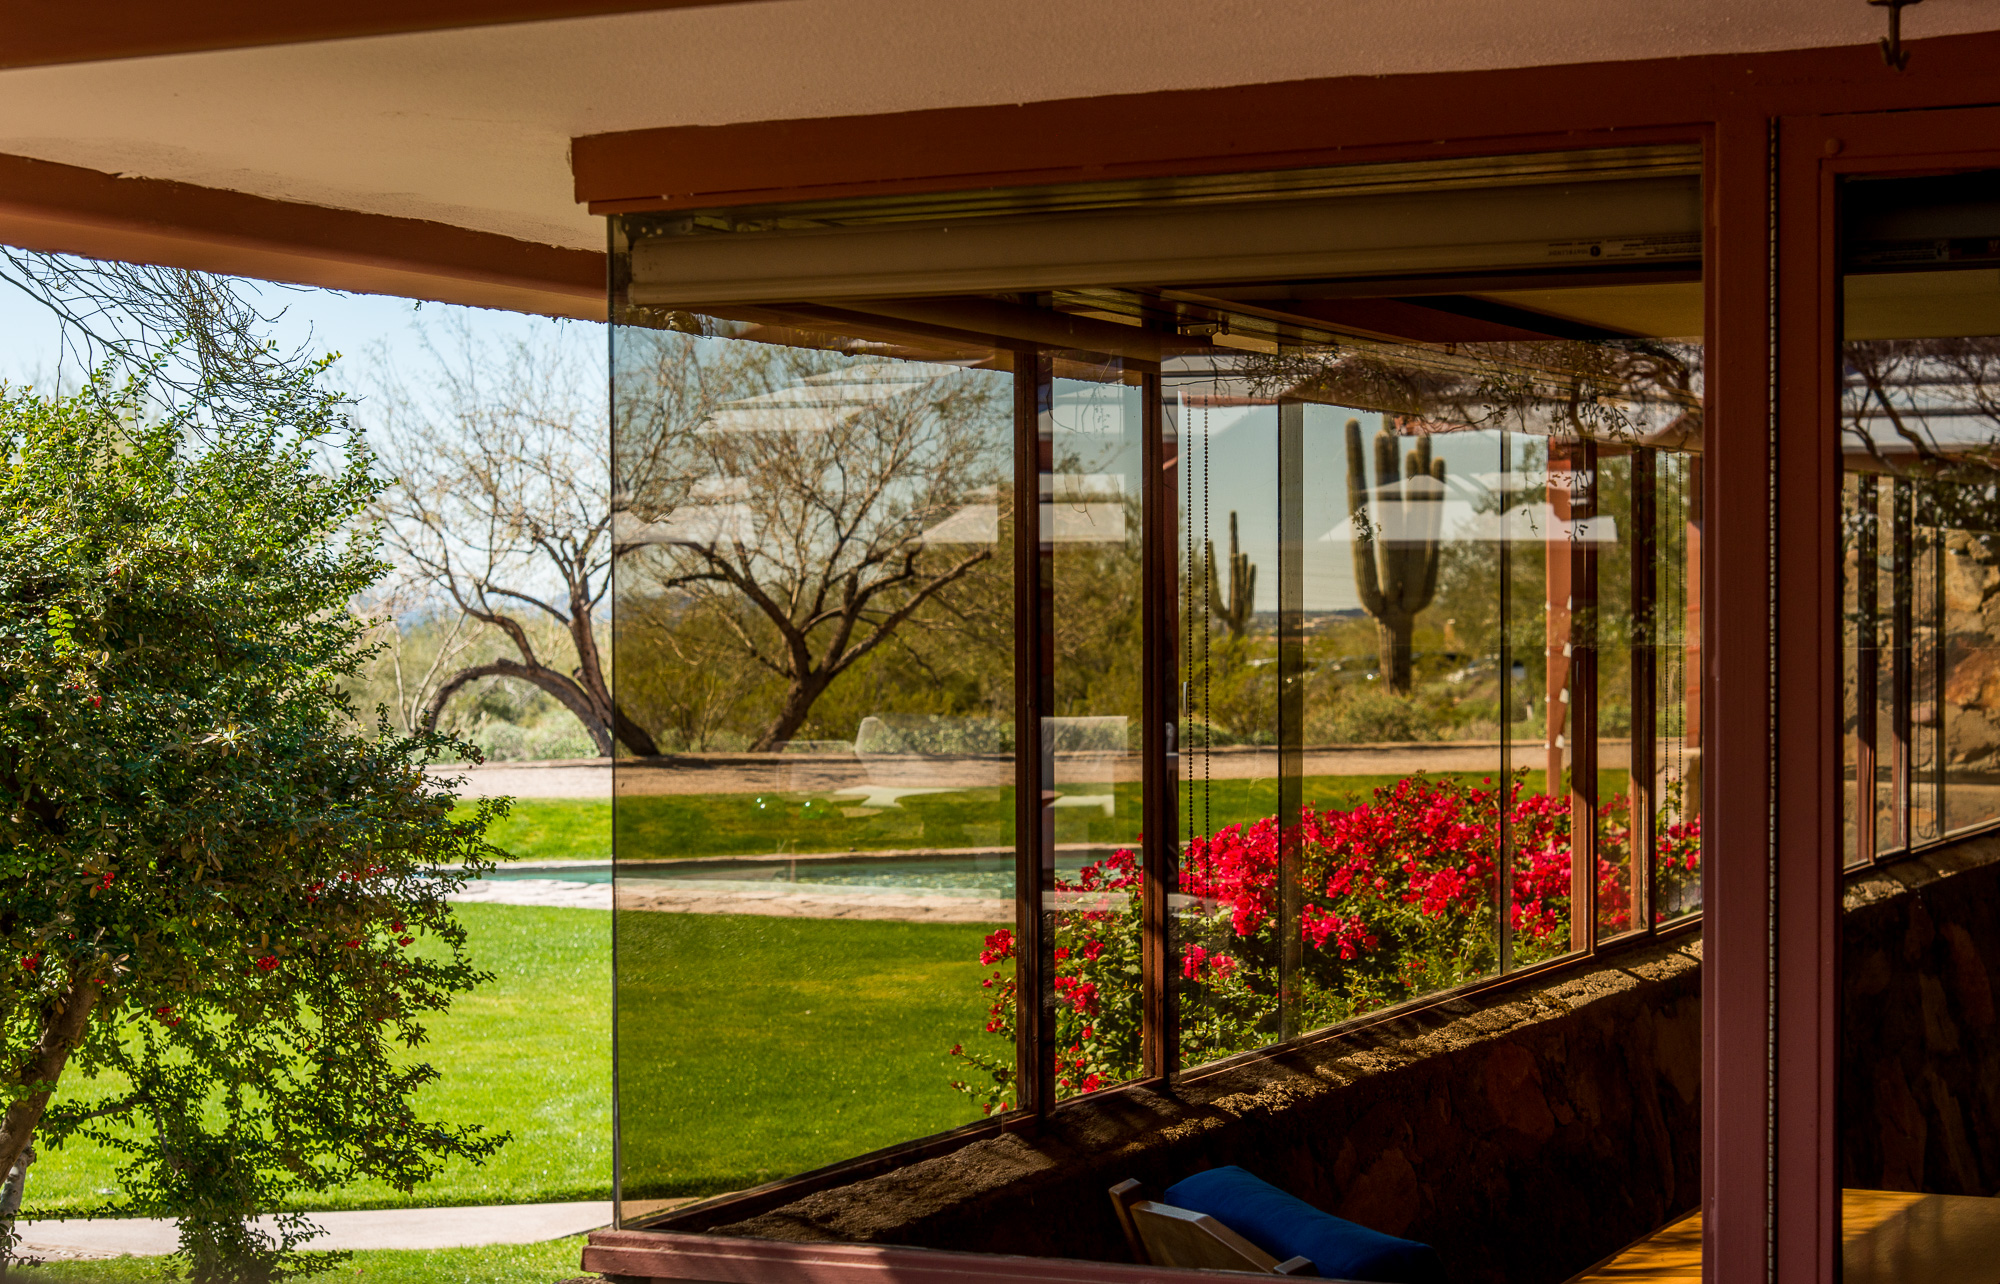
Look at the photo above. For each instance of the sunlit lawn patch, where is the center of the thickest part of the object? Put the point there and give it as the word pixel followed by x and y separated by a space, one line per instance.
pixel 765 1045
pixel 758 1047
pixel 492 1264
pixel 529 1054
pixel 554 829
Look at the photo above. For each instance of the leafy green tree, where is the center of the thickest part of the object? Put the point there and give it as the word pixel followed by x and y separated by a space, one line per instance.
pixel 210 884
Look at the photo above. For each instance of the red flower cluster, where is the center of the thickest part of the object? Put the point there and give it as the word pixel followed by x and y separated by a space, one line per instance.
pixel 999 946
pixel 1195 958
pixel 1398 896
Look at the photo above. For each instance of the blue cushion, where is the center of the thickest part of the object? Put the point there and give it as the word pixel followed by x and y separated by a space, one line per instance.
pixel 1285 1227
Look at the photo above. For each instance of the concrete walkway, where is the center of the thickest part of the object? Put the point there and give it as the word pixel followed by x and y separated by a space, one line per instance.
pixel 564 778
pixel 75 1239
pixel 838 773
pixel 559 892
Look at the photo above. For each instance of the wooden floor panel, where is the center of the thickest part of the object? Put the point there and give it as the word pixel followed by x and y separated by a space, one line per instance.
pixel 1890 1237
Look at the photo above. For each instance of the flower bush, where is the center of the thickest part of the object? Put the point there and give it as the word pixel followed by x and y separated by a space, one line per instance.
pixel 210 878
pixel 1396 898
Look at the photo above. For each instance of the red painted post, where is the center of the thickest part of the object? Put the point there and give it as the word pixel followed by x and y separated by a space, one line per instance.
pixel 1805 1215
pixel 1736 658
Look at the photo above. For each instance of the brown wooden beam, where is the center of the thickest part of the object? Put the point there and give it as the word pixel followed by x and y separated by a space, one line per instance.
pixel 63 208
pixel 34 33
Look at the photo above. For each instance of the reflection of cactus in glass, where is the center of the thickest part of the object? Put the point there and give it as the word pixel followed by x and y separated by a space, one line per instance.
pixel 1395 552
pixel 1236 612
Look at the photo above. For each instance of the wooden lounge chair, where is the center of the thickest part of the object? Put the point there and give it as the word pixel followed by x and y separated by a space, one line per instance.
pixel 1162 1235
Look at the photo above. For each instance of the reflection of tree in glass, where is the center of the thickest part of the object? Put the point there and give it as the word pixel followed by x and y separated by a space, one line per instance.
pixel 1633 390
pixel 815 503
pixel 1921 436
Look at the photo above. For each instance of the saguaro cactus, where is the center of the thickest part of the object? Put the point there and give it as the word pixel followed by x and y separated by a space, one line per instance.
pixel 1235 613
pixel 1395 548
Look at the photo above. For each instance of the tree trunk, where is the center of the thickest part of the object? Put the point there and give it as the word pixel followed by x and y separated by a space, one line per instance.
pixel 10 1204
pixel 564 689
pixel 631 734
pixel 44 1065
pixel 1395 658
pixel 791 715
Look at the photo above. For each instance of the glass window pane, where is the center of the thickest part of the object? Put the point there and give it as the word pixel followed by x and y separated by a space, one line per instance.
pixel 1676 679
pixel 1919 516
pixel 814 618
pixel 1920 523
pixel 1488 620
pixel 1092 524
pixel 1402 572
pixel 1228 940
pixel 1398 863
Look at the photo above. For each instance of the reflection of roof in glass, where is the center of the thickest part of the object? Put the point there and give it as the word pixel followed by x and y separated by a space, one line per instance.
pixel 1064 523
pixel 822 401
pixel 1458 522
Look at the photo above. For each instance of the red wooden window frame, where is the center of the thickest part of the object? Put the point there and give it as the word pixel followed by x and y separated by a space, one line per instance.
pixel 1813 154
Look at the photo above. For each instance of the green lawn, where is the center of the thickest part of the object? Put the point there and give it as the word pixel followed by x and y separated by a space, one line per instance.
pixel 530 1053
pixel 757 1047
pixel 493 1264
pixel 680 826
pixel 555 829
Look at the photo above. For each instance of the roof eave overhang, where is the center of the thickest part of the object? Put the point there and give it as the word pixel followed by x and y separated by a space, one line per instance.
pixel 67 209
pixel 39 34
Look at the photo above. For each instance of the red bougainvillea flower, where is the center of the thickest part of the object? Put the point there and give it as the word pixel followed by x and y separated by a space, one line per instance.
pixel 1396 896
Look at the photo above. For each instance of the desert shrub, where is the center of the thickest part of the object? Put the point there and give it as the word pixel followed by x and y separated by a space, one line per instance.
pixel 1371 713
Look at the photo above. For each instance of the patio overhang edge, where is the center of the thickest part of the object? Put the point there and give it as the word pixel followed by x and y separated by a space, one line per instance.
pixel 40 34
pixel 68 209
pixel 1236 128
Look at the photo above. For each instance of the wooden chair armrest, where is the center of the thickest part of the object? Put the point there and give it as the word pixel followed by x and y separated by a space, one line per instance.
pixel 1125 1194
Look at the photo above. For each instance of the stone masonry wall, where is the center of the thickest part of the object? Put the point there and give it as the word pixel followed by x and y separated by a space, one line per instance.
pixel 1525 1135
pixel 1920 1066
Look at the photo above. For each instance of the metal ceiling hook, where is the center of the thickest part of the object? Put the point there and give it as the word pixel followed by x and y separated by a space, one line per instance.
pixel 1893 52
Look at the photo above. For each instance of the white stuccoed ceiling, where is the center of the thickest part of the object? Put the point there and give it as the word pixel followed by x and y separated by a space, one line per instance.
pixel 472 127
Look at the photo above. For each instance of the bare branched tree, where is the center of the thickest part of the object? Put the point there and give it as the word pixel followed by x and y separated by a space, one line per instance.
pixel 502 507
pixel 206 336
pixel 797 500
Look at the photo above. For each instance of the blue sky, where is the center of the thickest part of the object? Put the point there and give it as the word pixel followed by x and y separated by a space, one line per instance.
pixel 366 329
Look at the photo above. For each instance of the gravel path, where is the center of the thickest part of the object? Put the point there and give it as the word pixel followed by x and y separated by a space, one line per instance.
pixel 916 907
pixel 747 773
pixel 574 778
